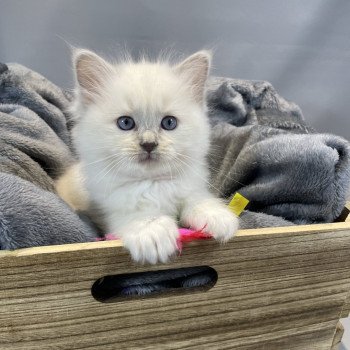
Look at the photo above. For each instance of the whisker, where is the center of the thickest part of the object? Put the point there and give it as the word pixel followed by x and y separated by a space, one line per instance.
pixel 191 168
pixel 113 163
pixel 217 170
pixel 115 169
pixel 101 160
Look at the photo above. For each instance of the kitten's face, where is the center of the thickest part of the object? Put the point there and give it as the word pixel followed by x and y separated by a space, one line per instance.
pixel 143 119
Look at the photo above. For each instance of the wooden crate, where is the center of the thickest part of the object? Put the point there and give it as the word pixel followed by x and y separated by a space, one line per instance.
pixel 277 288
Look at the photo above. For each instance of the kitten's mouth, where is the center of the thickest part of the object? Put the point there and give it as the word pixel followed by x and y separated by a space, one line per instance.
pixel 148 157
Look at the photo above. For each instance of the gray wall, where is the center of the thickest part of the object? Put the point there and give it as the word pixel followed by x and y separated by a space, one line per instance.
pixel 301 46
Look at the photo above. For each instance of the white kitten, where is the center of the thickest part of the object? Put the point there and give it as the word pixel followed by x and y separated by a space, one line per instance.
pixel 142 136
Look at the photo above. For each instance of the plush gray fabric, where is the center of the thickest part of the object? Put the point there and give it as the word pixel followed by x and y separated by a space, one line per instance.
pixel 30 148
pixel 31 216
pixel 22 86
pixel 263 149
pixel 249 219
pixel 34 150
pixel 232 100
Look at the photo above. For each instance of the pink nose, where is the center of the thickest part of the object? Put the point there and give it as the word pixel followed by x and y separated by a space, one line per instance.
pixel 149 146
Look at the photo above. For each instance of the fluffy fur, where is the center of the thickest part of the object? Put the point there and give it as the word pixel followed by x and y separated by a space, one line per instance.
pixel 144 196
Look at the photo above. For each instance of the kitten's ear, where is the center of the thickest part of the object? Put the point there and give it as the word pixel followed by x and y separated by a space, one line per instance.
pixel 196 69
pixel 91 71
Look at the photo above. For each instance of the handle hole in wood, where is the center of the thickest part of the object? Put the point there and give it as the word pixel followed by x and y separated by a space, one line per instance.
pixel 153 283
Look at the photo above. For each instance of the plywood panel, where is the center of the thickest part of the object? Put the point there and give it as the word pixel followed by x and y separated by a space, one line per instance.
pixel 277 289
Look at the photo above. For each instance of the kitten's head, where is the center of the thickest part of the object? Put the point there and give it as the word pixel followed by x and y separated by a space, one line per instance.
pixel 141 119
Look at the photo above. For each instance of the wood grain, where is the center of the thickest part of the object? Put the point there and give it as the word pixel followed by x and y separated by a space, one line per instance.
pixel 346 307
pixel 280 288
pixel 339 331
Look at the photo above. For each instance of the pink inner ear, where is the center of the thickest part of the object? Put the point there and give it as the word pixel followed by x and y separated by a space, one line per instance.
pixel 196 69
pixel 92 71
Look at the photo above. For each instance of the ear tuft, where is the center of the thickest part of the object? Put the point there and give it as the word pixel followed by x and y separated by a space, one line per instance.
pixel 195 69
pixel 92 71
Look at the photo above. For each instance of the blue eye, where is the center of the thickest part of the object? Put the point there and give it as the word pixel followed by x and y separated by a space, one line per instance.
pixel 169 123
pixel 125 123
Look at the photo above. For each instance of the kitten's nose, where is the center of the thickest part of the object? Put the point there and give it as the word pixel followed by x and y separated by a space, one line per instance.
pixel 149 146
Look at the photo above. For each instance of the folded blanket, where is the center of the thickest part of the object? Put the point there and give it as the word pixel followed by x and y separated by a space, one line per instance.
pixel 31 216
pixel 34 150
pixel 261 147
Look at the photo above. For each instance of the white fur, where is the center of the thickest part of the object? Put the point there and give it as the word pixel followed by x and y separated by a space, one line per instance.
pixel 142 202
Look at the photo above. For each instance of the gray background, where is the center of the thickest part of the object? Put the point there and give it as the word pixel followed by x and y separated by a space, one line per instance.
pixel 301 46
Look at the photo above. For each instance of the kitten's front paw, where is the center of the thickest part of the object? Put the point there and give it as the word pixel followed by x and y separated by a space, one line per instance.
pixel 153 240
pixel 213 217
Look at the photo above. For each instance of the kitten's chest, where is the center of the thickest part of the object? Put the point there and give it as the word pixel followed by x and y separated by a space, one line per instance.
pixel 164 196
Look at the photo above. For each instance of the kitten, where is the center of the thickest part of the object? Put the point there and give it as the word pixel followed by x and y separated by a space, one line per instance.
pixel 142 135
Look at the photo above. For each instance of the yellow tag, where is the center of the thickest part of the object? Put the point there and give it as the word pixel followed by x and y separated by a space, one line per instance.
pixel 238 203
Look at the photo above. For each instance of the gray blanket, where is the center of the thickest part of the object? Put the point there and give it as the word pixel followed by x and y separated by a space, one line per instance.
pixel 261 148
pixel 34 150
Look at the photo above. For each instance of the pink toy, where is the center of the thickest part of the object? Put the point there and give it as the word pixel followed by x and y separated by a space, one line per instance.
pixel 186 235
